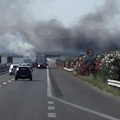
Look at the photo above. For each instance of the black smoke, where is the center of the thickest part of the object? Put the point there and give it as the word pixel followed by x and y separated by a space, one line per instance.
pixel 98 30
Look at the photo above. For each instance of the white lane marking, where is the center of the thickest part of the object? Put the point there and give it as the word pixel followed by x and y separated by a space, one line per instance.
pixel 52 115
pixel 4 83
pixel 12 79
pixel 9 80
pixel 86 109
pixel 49 90
pixel 51 102
pixel 0 85
pixel 51 108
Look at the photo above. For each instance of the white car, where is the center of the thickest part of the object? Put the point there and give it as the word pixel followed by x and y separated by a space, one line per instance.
pixel 12 68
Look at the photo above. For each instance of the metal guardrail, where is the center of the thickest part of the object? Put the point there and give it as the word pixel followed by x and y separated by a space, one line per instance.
pixel 4 68
pixel 69 69
pixel 114 83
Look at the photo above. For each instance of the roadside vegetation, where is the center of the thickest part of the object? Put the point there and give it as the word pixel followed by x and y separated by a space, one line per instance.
pixel 97 70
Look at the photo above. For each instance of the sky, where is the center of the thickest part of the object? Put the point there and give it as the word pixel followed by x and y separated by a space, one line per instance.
pixel 27 26
pixel 66 11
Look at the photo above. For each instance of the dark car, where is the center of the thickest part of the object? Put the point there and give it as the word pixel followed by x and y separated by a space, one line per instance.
pixel 41 65
pixel 28 64
pixel 23 72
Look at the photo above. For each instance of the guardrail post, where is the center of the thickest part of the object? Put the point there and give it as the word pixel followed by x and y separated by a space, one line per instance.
pixel 91 76
pixel 75 70
pixel 106 79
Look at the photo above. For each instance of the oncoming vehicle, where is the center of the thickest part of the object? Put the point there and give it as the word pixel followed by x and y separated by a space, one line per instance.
pixel 12 68
pixel 23 72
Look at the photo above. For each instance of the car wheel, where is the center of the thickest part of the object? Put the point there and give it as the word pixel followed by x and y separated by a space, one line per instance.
pixel 9 73
pixel 31 79
pixel 16 78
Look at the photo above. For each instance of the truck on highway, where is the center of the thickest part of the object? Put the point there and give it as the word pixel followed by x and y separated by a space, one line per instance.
pixel 27 60
pixel 41 61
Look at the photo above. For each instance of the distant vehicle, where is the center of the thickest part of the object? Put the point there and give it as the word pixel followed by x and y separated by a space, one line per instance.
pixel 41 61
pixel 27 60
pixel 42 65
pixel 23 72
pixel 27 64
pixel 12 68
pixel 33 64
pixel 8 64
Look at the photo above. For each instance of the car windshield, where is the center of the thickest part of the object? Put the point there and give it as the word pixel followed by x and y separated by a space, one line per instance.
pixel 15 66
pixel 59 59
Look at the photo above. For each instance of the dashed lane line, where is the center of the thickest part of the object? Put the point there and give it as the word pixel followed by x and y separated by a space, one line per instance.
pixel 51 115
pixel 86 109
pixel 51 108
pixel 4 83
pixel 49 94
pixel 51 102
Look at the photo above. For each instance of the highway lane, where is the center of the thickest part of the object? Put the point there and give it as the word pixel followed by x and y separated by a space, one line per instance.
pixel 81 101
pixel 70 98
pixel 4 78
pixel 24 99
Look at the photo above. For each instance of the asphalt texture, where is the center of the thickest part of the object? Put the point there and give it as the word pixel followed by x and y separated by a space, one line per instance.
pixel 71 98
pixel 24 99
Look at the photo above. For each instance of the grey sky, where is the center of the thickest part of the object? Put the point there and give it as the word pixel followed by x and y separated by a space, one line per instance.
pixel 35 25
pixel 66 11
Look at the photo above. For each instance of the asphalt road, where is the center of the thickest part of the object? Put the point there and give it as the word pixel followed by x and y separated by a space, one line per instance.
pixel 54 95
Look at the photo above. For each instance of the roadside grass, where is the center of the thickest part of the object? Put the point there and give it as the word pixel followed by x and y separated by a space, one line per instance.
pixel 97 82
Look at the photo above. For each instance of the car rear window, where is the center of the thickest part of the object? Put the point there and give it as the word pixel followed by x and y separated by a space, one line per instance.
pixel 24 68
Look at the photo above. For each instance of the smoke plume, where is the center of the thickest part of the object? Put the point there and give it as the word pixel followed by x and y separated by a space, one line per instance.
pixel 99 30
pixel 16 44
pixel 20 30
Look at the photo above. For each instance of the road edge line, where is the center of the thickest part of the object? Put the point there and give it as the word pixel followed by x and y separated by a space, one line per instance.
pixel 85 109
